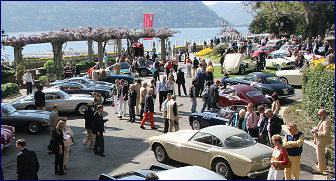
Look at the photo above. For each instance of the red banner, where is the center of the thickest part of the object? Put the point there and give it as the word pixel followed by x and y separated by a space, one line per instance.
pixel 148 23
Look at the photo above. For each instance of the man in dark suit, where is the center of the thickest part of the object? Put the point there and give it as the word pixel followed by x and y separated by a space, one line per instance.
pixel 273 124
pixel 39 97
pixel 214 96
pixel 262 125
pixel 132 95
pixel 98 129
pixel 27 162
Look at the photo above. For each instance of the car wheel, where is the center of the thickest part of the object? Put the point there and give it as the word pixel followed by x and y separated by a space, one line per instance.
pixel 223 168
pixel 30 107
pixel 81 108
pixel 160 154
pixel 284 80
pixel 241 70
pixel 278 67
pixel 33 127
pixel 143 72
pixel 195 124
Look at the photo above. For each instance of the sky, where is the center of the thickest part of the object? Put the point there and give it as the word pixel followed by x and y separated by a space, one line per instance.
pixel 214 2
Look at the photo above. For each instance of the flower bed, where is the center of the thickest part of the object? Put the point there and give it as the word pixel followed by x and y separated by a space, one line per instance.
pixel 204 52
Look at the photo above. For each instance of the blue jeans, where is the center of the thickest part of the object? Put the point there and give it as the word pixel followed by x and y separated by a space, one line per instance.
pixel 205 104
pixel 194 105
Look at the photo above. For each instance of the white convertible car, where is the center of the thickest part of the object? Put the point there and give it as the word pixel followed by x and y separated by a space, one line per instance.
pixel 226 150
pixel 279 61
pixel 234 63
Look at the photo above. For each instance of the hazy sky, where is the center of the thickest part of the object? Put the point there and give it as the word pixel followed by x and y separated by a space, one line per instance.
pixel 214 2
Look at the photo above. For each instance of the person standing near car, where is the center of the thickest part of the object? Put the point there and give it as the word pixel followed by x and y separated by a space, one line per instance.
pixel 39 97
pixel 214 96
pixel 276 103
pixel 156 74
pixel 98 129
pixel 132 95
pixel 163 90
pixel 115 92
pixel 122 95
pixel 180 80
pixel 58 146
pixel 164 113
pixel 173 114
pixel 168 66
pixel 28 80
pixel 149 110
pixel 205 96
pixel 279 158
pixel 116 67
pixel 188 61
pixel 262 125
pixel 137 89
pixel 293 142
pixel 251 121
pixel 192 95
pixel 273 124
pixel 27 164
pixel 88 116
pixel 143 93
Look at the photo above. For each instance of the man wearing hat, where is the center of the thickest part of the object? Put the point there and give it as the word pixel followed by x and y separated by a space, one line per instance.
pixel 28 80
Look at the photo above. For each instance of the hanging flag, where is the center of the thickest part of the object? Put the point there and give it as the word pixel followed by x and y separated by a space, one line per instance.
pixel 148 23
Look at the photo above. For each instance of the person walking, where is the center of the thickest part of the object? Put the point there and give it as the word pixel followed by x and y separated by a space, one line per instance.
pixel 188 67
pixel 210 72
pixel 168 66
pixel 279 159
pixel 171 85
pixel 88 116
pixel 153 86
pixel 76 70
pixel 262 126
pixel 195 66
pixel 102 74
pixel 98 129
pixel 39 97
pixel 322 138
pixel 205 96
pixel 251 121
pixel 164 113
pixel 173 114
pixel 67 71
pixel 132 95
pixel 58 146
pixel 27 164
pixel 116 67
pixel 143 93
pixel 53 120
pixel 293 142
pixel 137 89
pixel 214 96
pixel 95 75
pixel 28 80
pixel 156 74
pixel 192 94
pixel 149 110
pixel 163 90
pixel 276 103
pixel 201 77
pixel 115 92
pixel 180 80
pixel 122 95
pixel 67 139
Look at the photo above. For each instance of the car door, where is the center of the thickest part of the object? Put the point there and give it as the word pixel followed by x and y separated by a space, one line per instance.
pixel 196 150
pixel 55 98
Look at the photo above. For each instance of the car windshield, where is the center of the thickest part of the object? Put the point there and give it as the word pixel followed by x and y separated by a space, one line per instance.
pixel 64 95
pixel 253 93
pixel 284 47
pixel 278 55
pixel 272 80
pixel 239 141
pixel 8 109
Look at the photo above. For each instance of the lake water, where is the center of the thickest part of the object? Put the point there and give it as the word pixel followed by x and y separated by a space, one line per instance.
pixel 186 34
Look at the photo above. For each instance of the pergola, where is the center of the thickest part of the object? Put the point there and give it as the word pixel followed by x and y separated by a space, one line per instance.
pixel 100 35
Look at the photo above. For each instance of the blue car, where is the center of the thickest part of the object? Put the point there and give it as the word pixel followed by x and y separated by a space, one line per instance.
pixel 217 117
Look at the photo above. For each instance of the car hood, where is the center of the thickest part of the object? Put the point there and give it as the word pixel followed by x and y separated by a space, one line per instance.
pixel 32 114
pixel 181 135
pixel 274 87
pixel 208 114
pixel 288 72
pixel 259 100
pixel 82 97
pixel 253 152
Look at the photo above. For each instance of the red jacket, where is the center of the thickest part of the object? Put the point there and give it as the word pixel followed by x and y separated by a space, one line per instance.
pixel 283 157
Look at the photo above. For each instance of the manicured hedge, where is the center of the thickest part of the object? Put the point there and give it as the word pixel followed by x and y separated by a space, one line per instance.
pixel 9 89
pixel 319 92
pixel 7 76
pixel 43 79
pixel 86 64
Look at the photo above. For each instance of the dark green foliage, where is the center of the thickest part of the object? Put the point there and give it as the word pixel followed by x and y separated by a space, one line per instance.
pixel 9 89
pixel 43 79
pixel 48 63
pixel 7 76
pixel 86 64
pixel 319 92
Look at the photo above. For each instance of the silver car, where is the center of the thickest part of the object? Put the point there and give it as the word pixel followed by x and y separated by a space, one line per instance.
pixel 65 102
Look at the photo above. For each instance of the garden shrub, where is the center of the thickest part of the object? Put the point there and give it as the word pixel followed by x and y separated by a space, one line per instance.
pixel 7 76
pixel 43 79
pixel 319 92
pixel 86 64
pixel 9 89
pixel 49 63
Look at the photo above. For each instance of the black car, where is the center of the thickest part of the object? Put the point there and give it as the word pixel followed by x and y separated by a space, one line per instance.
pixel 78 88
pixel 217 117
pixel 166 173
pixel 32 120
pixel 267 83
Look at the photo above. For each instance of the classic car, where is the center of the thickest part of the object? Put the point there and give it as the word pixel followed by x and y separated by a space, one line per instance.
pixel 274 44
pixel 266 49
pixel 7 135
pixel 242 95
pixel 308 56
pixel 292 77
pixel 124 68
pixel 217 117
pixel 224 149
pixel 279 61
pixel 65 102
pixel 234 63
pixel 267 83
pixel 166 173
pixel 32 120
pixel 78 88
pixel 87 82
pixel 110 78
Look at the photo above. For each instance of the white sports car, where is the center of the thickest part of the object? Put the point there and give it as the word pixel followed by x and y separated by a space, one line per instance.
pixel 226 150
pixel 279 61
pixel 291 77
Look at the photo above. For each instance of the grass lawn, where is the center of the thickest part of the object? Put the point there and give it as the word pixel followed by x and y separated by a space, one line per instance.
pixel 213 58
pixel 218 75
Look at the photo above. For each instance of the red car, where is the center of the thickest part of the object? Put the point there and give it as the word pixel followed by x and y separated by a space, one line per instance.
pixel 7 134
pixel 266 49
pixel 241 94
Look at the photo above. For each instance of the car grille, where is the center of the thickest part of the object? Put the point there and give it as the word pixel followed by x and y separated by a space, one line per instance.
pixel 285 91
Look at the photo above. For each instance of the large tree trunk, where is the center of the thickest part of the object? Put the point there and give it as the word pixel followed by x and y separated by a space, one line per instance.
pixel 119 46
pixel 90 51
pixel 314 18
pixel 17 55
pixel 58 54
pixel 100 53
pixel 163 50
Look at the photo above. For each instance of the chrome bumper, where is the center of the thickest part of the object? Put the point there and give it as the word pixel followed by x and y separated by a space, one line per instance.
pixel 257 173
pixel 281 97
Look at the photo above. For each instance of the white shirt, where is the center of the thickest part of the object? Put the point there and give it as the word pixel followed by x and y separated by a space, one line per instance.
pixel 27 77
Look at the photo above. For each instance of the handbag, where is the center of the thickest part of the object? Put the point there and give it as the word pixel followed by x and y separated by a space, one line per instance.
pixel 51 146
pixel 282 166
